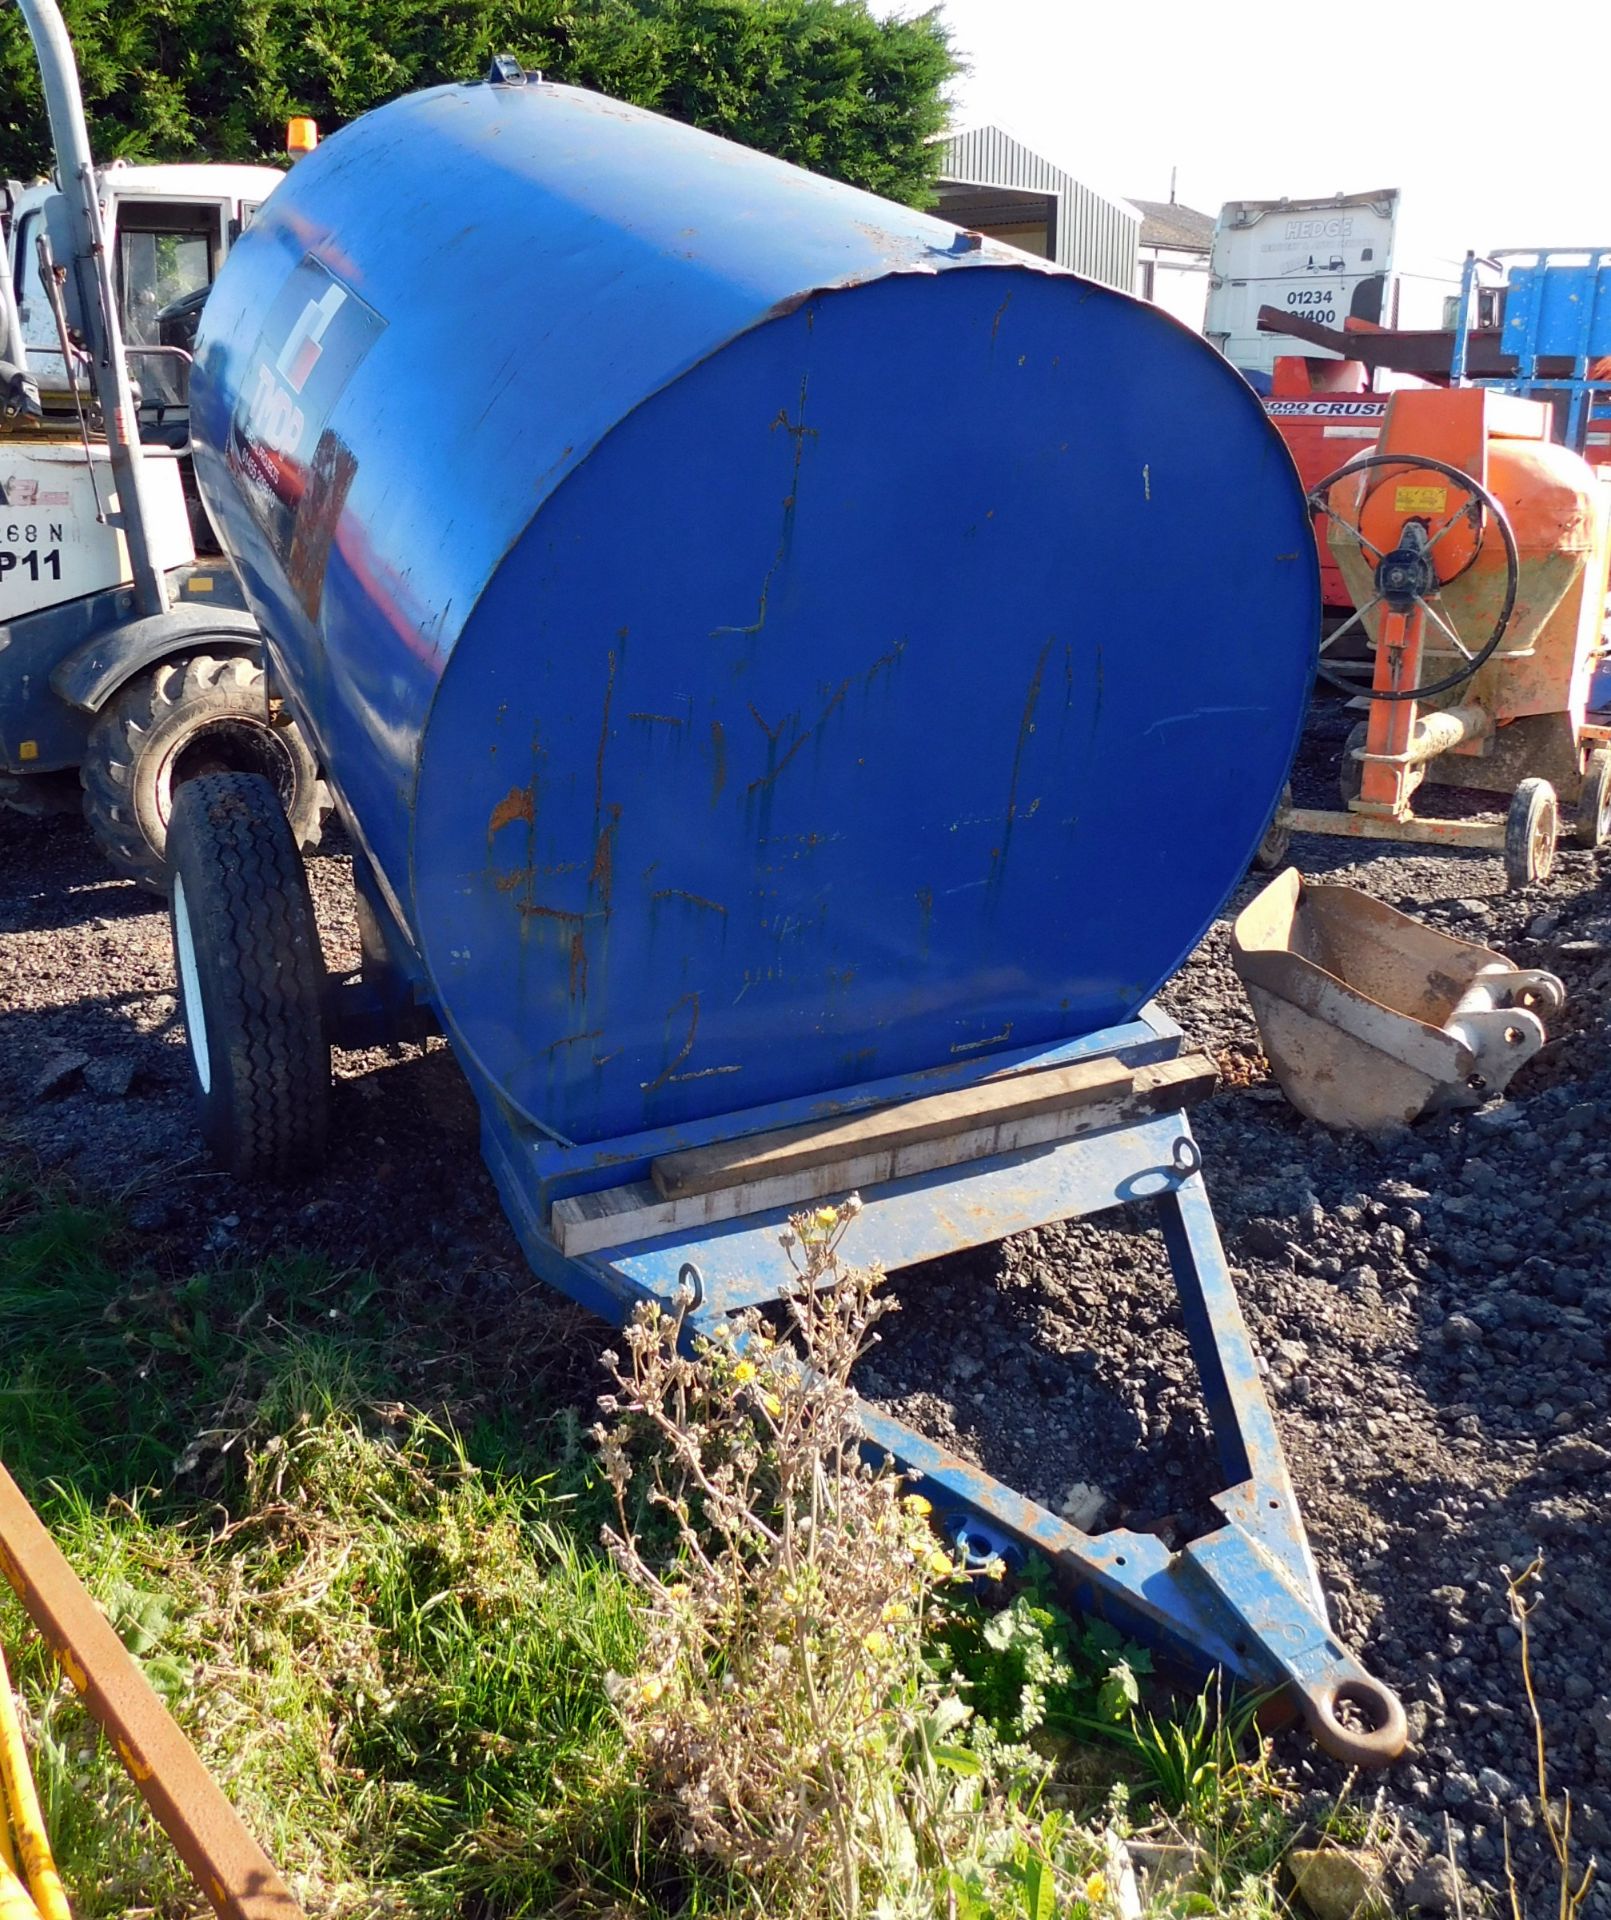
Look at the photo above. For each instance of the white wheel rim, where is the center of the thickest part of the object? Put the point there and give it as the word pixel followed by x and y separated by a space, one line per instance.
pixel 184 942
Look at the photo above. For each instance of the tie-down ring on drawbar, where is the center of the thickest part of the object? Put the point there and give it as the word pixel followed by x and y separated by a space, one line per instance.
pixel 1244 1598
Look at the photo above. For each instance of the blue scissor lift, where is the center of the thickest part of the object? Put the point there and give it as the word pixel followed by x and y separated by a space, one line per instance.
pixel 1557 308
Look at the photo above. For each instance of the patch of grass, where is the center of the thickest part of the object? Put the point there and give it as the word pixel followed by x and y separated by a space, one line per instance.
pixel 113 1858
pixel 111 1371
pixel 393 1662
pixel 1186 1768
pixel 392 1657
pixel 393 1637
pixel 458 1740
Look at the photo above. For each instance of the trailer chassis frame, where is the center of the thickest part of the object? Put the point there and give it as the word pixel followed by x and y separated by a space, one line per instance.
pixel 1245 1598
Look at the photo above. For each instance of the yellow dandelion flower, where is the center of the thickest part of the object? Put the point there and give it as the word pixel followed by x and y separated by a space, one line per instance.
pixel 1096 1887
pixel 744 1372
pixel 827 1216
pixel 651 1691
pixel 877 1644
pixel 915 1503
pixel 897 1610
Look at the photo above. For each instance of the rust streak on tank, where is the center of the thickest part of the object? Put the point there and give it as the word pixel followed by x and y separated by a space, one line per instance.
pixel 519 803
pixel 536 912
pixel 570 1040
pixel 602 872
pixel 1026 727
pixel 693 899
pixel 766 779
pixel 604 729
pixel 990 1040
pixel 885 660
pixel 668 1072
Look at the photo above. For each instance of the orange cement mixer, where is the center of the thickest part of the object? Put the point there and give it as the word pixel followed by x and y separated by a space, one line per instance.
pixel 1477 555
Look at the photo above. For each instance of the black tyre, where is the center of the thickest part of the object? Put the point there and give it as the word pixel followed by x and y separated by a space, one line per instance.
pixel 183 718
pixel 1532 828
pixel 1351 772
pixel 251 976
pixel 1591 823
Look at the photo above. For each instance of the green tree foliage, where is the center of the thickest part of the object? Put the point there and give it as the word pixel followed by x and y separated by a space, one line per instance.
pixel 824 83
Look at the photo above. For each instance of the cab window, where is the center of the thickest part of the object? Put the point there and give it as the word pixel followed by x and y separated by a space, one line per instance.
pixel 163 253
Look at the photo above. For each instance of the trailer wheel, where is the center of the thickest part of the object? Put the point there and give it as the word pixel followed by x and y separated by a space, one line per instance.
pixel 1592 821
pixel 251 976
pixel 181 719
pixel 1531 829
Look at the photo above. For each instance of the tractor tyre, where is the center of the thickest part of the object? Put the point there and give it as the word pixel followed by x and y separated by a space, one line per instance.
pixel 251 977
pixel 204 714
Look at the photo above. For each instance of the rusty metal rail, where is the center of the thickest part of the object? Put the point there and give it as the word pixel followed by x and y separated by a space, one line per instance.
pixel 229 1866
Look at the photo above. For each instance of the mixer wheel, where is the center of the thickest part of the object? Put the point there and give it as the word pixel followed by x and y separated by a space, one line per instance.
pixel 1592 822
pixel 1277 842
pixel 1351 772
pixel 205 713
pixel 251 976
pixel 1531 829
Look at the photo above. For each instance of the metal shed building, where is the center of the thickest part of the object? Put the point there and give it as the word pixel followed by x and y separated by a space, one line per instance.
pixel 997 186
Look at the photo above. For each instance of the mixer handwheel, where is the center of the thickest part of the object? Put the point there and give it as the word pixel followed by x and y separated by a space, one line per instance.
pixel 1408 578
pixel 1531 829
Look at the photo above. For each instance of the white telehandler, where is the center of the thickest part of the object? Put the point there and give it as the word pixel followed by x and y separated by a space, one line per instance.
pixel 128 660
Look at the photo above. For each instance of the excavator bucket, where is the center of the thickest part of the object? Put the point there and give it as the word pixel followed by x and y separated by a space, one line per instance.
pixel 1370 1019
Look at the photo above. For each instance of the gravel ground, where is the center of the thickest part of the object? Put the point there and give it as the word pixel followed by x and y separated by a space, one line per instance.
pixel 1431 1308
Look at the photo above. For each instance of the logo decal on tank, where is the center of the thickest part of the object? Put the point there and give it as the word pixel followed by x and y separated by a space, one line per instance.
pixel 305 343
pixel 293 467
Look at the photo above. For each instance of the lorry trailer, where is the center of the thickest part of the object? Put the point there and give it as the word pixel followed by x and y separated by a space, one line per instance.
pixel 1321 262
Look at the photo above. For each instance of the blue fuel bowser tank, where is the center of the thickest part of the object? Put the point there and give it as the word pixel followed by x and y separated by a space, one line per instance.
pixel 779 660
pixel 761 637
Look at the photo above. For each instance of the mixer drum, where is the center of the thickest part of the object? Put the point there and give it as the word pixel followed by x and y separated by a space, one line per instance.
pixel 761 639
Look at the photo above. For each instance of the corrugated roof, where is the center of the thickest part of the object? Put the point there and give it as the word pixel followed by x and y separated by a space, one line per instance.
pixel 1166 224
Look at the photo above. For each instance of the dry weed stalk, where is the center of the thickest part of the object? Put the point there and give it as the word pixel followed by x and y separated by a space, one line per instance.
pixel 781 1679
pixel 1557 1825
